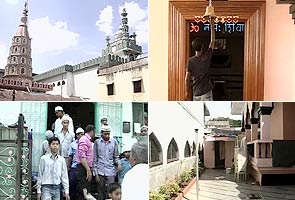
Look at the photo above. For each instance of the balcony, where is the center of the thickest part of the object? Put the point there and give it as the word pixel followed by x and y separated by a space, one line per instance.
pixel 260 152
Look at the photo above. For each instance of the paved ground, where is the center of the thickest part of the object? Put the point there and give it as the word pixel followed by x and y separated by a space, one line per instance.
pixel 227 189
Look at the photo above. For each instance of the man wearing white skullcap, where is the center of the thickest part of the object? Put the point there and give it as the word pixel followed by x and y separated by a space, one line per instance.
pixel 65 137
pixel 45 146
pixel 59 112
pixel 105 162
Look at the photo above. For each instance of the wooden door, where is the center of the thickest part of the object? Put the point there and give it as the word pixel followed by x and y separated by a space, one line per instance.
pixel 183 11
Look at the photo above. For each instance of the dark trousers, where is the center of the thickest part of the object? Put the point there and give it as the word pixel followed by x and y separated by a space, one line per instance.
pixel 81 175
pixel 73 184
pixel 103 185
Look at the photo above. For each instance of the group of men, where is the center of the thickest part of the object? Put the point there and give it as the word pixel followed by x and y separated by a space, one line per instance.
pixel 71 161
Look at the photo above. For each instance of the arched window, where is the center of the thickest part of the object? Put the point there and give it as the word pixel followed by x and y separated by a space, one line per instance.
pixel 22 71
pixel 155 154
pixel 23 50
pixel 24 41
pixel 23 60
pixel 12 70
pixel 194 149
pixel 187 150
pixel 17 39
pixel 58 84
pixel 172 153
pixel 14 59
pixel 15 49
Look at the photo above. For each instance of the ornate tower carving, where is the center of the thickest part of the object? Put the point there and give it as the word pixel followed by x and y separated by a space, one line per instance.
pixel 19 62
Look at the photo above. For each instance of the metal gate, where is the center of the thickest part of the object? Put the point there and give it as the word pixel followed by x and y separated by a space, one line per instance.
pixel 15 161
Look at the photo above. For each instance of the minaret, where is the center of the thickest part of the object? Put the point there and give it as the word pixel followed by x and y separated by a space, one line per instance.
pixel 19 62
pixel 125 27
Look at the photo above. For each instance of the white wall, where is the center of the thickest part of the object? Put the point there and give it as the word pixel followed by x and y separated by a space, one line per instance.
pixel 85 83
pixel 123 87
pixel 57 89
pixel 169 120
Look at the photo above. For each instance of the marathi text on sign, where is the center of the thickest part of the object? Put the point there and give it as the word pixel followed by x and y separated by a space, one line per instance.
pixel 226 27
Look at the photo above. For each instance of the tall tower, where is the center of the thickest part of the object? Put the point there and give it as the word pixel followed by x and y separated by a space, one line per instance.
pixel 125 27
pixel 19 62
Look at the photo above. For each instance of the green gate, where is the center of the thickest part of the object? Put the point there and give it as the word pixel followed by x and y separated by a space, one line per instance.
pixel 15 162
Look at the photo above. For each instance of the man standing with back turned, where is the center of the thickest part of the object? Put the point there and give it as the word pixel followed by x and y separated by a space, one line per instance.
pixel 197 70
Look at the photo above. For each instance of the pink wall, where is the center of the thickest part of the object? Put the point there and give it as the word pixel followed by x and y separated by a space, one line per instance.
pixel 276 122
pixel 279 53
pixel 209 156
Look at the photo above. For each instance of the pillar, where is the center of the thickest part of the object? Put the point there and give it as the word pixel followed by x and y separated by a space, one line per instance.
pixel 265 112
pixel 248 132
pixel 254 128
pixel 70 80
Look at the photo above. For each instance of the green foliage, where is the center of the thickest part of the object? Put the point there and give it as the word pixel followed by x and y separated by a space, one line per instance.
pixel 169 189
pixel 158 196
pixel 185 177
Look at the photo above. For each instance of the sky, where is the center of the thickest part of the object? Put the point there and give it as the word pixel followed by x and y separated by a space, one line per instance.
pixel 221 109
pixel 69 31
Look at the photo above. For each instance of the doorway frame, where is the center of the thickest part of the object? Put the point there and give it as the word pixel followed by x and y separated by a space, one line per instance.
pixel 252 12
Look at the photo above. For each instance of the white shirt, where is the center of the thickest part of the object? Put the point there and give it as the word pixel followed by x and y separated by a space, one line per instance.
pixel 53 170
pixel 136 183
pixel 58 125
pixel 65 143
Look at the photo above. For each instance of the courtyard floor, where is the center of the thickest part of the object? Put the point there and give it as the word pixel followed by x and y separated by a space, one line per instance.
pixel 217 185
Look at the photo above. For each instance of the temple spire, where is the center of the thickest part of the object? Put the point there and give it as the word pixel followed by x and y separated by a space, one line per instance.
pixel 26 10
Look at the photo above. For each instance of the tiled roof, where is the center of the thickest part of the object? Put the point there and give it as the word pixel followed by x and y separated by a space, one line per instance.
pixel 6 95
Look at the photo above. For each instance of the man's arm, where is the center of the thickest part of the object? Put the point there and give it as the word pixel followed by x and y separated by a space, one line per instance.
pixel 40 175
pixel 71 126
pixel 95 157
pixel 212 43
pixel 70 160
pixel 65 177
pixel 188 87
pixel 116 157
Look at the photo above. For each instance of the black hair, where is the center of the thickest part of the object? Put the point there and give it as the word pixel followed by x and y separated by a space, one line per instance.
pixel 197 44
pixel 89 128
pixel 113 186
pixel 50 140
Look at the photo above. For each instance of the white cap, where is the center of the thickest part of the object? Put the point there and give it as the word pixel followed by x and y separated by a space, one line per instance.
pixel 65 118
pixel 79 130
pixel 143 127
pixel 49 134
pixel 58 108
pixel 105 129
pixel 126 147
pixel 103 117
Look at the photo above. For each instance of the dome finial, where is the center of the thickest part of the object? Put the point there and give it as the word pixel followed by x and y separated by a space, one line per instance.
pixel 25 12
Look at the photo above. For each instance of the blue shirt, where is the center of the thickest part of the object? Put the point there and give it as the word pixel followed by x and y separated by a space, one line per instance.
pixel 106 157
pixel 126 166
pixel 73 152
